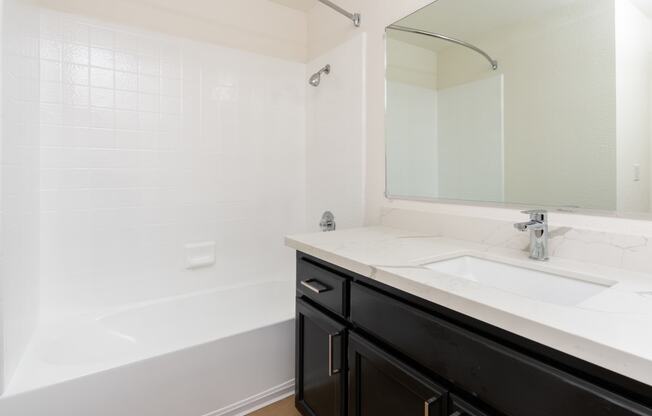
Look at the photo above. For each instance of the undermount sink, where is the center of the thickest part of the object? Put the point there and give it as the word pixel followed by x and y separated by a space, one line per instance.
pixel 533 284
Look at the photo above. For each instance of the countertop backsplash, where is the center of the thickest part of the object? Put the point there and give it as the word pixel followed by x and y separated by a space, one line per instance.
pixel 626 251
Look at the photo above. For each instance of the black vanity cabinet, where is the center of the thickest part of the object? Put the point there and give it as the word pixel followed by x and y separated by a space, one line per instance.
pixel 380 385
pixel 366 349
pixel 459 407
pixel 321 374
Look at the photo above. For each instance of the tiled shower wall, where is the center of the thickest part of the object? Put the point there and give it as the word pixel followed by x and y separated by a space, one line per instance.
pixel 150 143
pixel 19 196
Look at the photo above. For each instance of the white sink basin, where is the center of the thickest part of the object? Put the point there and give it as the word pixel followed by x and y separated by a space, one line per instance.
pixel 534 284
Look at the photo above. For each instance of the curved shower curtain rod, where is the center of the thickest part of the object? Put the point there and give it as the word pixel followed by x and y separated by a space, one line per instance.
pixel 492 61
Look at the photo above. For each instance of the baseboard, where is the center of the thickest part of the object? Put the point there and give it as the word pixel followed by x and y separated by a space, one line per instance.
pixel 253 403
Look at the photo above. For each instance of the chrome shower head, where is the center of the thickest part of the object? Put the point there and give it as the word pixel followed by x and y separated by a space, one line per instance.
pixel 315 80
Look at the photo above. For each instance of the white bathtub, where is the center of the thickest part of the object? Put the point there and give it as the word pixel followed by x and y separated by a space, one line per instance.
pixel 223 352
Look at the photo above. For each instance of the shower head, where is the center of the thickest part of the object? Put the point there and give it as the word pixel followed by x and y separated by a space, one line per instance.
pixel 315 80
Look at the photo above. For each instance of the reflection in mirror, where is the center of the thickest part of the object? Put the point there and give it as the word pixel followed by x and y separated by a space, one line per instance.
pixel 565 119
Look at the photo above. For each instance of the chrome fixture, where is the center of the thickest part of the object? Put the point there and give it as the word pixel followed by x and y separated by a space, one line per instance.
pixel 354 17
pixel 538 228
pixel 315 286
pixel 492 61
pixel 315 80
pixel 327 222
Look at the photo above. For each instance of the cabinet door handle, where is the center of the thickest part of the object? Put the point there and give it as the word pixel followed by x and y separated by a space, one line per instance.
pixel 315 286
pixel 428 403
pixel 332 371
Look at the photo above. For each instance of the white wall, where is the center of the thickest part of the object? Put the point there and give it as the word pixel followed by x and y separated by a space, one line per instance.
pixel 258 26
pixel 149 143
pixel 335 136
pixel 19 222
pixel 327 29
pixel 634 106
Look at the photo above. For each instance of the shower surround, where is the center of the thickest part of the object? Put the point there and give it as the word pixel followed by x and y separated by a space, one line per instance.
pixel 143 147
pixel 149 143
pixel 158 177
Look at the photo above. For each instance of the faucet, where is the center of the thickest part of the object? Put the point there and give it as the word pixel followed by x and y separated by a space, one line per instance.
pixel 327 222
pixel 538 228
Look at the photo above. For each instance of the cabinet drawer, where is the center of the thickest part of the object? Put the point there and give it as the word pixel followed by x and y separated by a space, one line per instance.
pixel 506 380
pixel 323 286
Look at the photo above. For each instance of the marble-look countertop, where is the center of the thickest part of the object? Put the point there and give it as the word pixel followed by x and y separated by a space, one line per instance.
pixel 612 329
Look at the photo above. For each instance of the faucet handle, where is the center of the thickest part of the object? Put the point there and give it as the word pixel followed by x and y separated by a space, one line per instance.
pixel 535 211
pixel 536 214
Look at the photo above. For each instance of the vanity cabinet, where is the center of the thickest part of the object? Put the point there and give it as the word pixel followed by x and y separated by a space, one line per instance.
pixel 459 407
pixel 320 371
pixel 386 352
pixel 381 385
pixel 499 376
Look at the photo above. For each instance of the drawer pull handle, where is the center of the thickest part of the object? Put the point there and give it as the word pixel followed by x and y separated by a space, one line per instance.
pixel 332 371
pixel 315 286
pixel 458 413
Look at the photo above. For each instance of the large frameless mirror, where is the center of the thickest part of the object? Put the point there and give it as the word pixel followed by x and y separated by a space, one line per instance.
pixel 523 102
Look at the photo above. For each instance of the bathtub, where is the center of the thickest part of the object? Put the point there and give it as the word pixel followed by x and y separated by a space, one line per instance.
pixel 218 353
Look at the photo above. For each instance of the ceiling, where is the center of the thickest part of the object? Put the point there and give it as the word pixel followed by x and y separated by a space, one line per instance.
pixel 302 5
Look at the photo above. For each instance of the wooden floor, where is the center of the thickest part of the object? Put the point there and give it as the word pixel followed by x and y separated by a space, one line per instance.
pixel 282 408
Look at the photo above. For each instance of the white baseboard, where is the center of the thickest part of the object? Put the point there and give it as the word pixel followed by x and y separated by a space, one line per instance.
pixel 253 403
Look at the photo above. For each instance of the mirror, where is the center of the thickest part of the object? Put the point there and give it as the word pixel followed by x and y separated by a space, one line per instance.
pixel 545 103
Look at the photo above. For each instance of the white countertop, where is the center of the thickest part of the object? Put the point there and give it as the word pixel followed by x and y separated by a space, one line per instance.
pixel 612 330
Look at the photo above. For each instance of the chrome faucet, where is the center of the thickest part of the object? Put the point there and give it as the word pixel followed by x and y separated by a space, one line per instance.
pixel 327 222
pixel 538 228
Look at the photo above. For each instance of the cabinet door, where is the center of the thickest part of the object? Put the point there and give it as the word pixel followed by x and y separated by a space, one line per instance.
pixel 380 385
pixel 458 407
pixel 320 365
